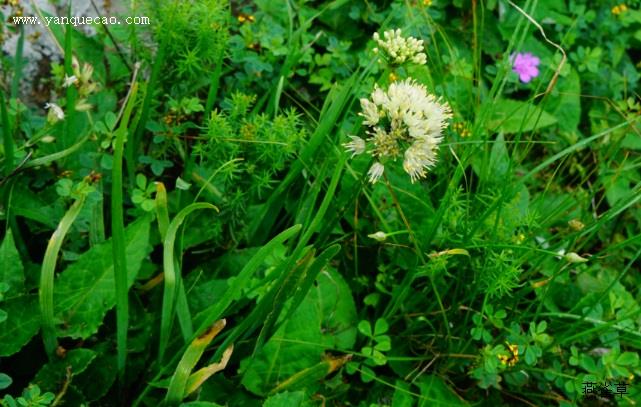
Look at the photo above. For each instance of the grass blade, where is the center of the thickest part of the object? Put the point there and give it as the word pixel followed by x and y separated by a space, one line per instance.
pixel 47 275
pixel 173 282
pixel 335 105
pixel 7 136
pixel 198 378
pixel 72 93
pixel 48 159
pixel 118 233
pixel 180 378
pixel 215 311
pixel 162 213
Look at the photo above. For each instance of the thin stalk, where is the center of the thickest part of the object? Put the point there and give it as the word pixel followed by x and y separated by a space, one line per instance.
pixel 7 136
pixel 134 142
pixel 17 70
pixel 214 85
pixel 97 226
pixel 118 235
pixel 67 135
pixel 162 213
pixel 47 276
pixel 409 278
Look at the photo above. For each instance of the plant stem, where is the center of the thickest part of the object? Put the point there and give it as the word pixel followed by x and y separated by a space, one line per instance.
pixel 118 232
pixel 409 277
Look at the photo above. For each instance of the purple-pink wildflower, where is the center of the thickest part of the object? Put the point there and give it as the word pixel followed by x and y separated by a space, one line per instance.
pixel 526 65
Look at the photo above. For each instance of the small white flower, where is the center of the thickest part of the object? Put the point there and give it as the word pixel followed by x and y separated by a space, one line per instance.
pixel 378 236
pixel 83 106
pixel 370 112
pixel 405 118
pixel 55 113
pixel 379 97
pixel 356 146
pixel 69 80
pixel 419 157
pixel 375 172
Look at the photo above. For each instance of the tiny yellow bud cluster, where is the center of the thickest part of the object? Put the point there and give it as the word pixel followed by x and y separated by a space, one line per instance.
pixel 513 358
pixel 462 129
pixel 618 9
pixel 246 18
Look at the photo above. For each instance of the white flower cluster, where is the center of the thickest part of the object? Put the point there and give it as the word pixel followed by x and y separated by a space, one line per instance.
pixel 399 49
pixel 405 118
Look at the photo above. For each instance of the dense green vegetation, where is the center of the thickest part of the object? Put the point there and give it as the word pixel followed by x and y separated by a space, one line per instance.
pixel 284 203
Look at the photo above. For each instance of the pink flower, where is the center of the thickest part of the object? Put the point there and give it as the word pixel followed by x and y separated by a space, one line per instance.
pixel 526 65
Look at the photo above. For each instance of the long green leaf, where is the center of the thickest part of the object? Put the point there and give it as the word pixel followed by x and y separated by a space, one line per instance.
pixel 162 213
pixel 7 136
pixel 173 281
pixel 68 134
pixel 215 310
pixel 118 232
pixel 47 275
pixel 334 107
pixel 48 159
pixel 195 350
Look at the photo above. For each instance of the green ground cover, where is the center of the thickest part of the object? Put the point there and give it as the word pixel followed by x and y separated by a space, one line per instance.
pixel 322 203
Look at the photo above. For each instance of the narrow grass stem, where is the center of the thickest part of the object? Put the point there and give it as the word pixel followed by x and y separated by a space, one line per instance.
pixel 409 278
pixel 7 136
pixel 118 237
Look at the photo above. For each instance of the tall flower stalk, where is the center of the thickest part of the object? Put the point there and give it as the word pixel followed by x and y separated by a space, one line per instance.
pixel 404 120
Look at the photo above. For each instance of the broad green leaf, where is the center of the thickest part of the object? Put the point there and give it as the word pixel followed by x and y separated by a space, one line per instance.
pixel 628 359
pixel 11 270
pixel 21 325
pixel 435 393
pixel 632 141
pixel 402 396
pixel 499 160
pixel 565 102
pixel 5 381
pixel 325 319
pixel 54 373
pixel 287 399
pixel 85 291
pixel 617 187
pixel 513 116
pixel 96 380
pixel 34 206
